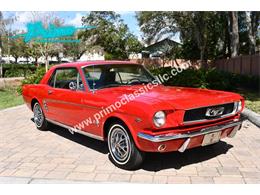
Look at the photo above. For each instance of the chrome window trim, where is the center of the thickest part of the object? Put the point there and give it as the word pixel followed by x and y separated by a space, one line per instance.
pixel 203 131
pixel 72 130
pixel 93 90
pixel 54 73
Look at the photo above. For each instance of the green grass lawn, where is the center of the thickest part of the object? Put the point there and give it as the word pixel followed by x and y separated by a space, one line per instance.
pixel 252 99
pixel 9 98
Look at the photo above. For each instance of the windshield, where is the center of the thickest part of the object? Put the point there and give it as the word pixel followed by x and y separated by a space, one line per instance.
pixel 103 76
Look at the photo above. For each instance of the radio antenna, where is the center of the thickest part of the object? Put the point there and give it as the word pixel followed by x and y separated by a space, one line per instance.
pixel 93 80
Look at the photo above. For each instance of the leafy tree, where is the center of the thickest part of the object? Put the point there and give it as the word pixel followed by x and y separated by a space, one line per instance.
pixel 111 34
pixel 33 50
pixel 75 50
pixel 204 35
pixel 2 29
pixel 17 48
pixel 197 30
pixel 46 49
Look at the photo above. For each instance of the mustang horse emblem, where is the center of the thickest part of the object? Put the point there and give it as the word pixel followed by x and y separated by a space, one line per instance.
pixel 213 112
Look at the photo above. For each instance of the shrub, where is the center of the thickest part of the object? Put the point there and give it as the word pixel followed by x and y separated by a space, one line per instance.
pixel 209 78
pixel 34 78
pixel 17 72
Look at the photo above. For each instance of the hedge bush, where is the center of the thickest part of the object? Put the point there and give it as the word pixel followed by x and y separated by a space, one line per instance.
pixel 209 78
pixel 198 78
pixel 34 78
pixel 18 70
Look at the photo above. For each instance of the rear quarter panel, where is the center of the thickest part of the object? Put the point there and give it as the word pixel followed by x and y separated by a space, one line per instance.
pixel 33 91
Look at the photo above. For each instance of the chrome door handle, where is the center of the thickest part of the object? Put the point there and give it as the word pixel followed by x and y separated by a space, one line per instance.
pixel 49 92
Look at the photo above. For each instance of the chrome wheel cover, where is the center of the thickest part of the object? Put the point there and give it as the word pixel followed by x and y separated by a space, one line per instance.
pixel 119 144
pixel 38 115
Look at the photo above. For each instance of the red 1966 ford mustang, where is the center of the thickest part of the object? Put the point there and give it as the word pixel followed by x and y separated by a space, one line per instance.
pixel 123 104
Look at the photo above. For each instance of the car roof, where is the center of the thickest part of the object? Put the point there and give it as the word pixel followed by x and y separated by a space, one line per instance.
pixel 96 62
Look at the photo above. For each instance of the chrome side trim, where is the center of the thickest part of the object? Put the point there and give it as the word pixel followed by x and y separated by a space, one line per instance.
pixel 71 129
pixel 71 103
pixel 167 137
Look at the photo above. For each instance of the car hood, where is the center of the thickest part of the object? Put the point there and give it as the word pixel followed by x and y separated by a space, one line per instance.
pixel 176 97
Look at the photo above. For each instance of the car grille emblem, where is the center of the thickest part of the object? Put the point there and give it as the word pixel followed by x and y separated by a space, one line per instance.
pixel 214 112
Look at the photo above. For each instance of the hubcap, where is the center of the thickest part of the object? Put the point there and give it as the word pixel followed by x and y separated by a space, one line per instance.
pixel 38 115
pixel 119 145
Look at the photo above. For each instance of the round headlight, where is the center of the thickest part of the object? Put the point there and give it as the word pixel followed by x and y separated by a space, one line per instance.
pixel 159 118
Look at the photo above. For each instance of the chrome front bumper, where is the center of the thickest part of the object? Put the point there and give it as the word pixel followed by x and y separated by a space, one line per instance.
pixel 166 137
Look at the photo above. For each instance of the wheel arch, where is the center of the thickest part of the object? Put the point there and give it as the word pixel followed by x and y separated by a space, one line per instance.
pixel 113 119
pixel 34 100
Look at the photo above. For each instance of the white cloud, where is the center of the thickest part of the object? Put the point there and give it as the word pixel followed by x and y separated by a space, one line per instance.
pixel 76 21
pixel 22 18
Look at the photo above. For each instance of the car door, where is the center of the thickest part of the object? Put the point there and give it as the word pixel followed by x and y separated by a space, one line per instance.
pixel 65 93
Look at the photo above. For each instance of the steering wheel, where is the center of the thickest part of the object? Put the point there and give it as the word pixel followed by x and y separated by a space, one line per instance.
pixel 133 80
pixel 72 85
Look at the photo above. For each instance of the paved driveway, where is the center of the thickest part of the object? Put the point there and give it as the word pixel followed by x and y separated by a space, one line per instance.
pixel 31 156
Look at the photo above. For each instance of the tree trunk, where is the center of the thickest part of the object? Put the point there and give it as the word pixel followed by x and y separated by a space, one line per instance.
pixel 36 61
pixel 227 36
pixel 252 41
pixel 203 61
pixel 46 63
pixel 255 17
pixel 234 36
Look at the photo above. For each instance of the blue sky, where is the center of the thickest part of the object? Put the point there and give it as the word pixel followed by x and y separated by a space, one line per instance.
pixel 71 17
pixel 74 18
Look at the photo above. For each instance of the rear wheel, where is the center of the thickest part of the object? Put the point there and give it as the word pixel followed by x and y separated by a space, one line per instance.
pixel 123 152
pixel 39 118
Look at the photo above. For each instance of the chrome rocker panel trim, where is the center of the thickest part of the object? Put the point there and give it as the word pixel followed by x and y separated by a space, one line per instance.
pixel 162 138
pixel 73 130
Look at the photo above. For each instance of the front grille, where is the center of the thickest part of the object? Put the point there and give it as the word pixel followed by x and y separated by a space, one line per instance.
pixel 198 114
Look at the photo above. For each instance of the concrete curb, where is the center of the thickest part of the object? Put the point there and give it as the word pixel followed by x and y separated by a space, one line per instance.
pixel 252 116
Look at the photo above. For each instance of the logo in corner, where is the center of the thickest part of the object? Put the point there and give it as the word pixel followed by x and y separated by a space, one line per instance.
pixel 52 33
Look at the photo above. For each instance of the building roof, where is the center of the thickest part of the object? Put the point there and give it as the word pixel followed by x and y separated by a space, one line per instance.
pixel 162 45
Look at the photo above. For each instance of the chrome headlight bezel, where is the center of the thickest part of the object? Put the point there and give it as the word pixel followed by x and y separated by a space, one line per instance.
pixel 159 118
pixel 238 106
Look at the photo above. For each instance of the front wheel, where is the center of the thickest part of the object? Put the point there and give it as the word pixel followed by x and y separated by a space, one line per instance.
pixel 39 118
pixel 123 152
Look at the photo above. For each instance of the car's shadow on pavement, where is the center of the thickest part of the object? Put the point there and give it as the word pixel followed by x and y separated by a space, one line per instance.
pixel 160 161
pixel 94 144
pixel 154 161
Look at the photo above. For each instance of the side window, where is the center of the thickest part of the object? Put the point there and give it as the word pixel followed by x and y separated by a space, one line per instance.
pixel 67 78
pixel 93 76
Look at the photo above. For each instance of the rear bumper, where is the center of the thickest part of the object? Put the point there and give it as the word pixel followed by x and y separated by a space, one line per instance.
pixel 182 141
